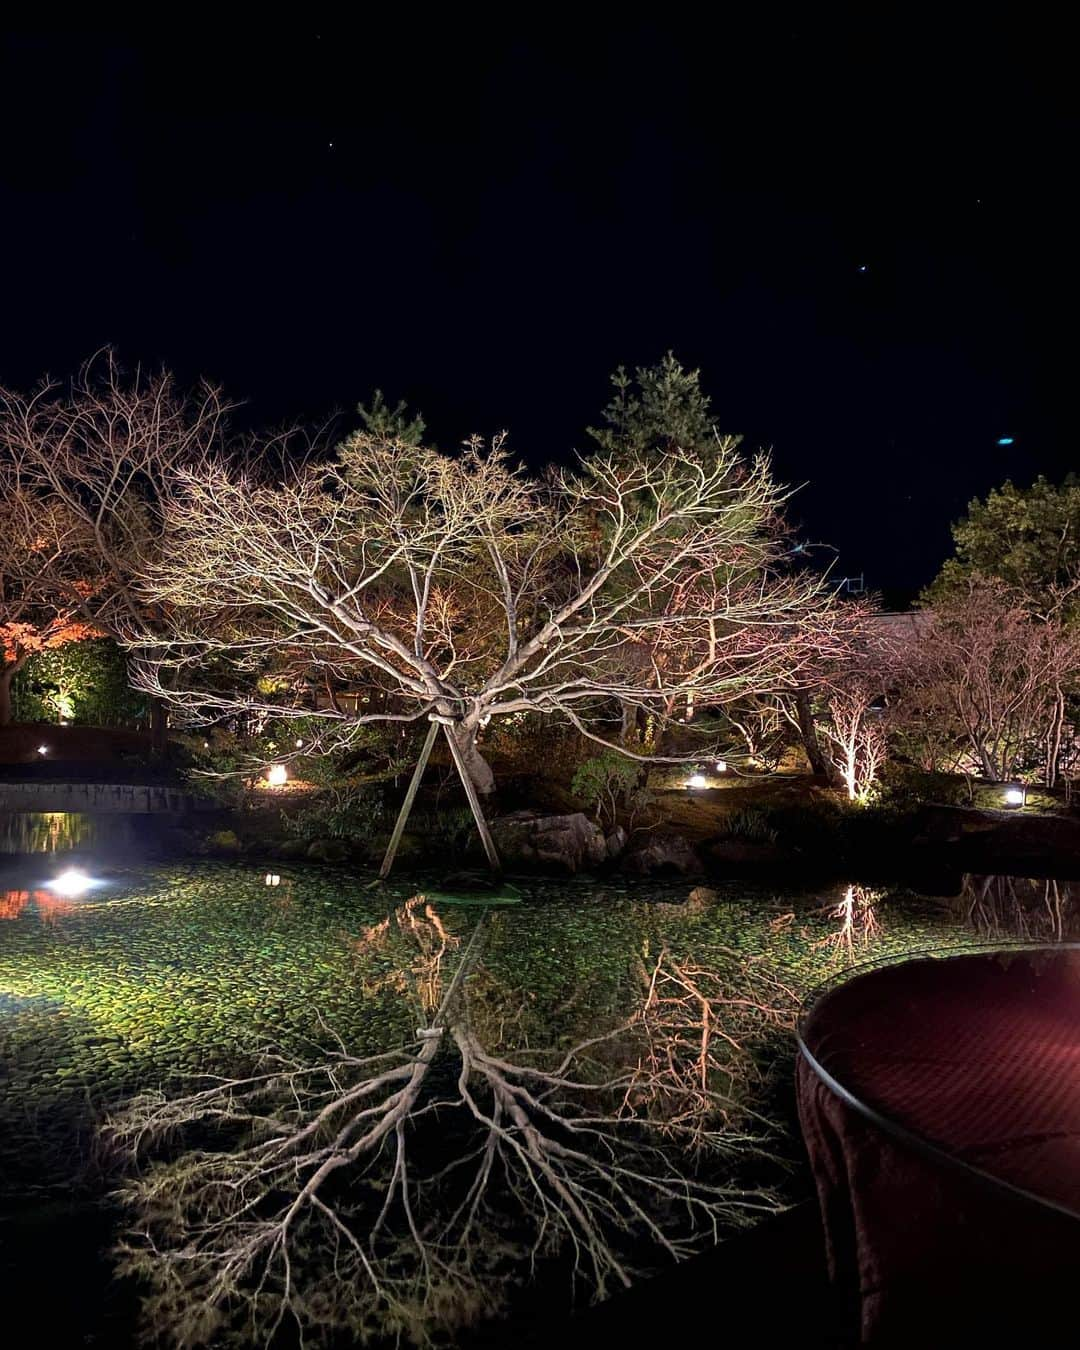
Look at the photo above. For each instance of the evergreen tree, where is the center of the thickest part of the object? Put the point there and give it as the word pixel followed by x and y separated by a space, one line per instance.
pixel 391 424
pixel 656 409
pixel 1028 538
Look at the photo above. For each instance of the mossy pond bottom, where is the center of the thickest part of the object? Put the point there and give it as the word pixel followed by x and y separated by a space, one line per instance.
pixel 163 973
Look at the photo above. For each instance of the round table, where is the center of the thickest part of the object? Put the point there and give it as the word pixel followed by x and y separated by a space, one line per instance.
pixel 940 1103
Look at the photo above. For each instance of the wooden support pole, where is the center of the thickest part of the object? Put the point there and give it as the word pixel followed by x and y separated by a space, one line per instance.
pixel 407 804
pixel 474 802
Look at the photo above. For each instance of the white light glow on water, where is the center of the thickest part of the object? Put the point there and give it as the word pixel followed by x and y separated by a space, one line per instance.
pixel 71 882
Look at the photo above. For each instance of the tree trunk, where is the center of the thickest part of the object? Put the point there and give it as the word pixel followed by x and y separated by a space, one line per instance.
pixel 479 769
pixel 159 726
pixel 1053 750
pixel 6 676
pixel 819 763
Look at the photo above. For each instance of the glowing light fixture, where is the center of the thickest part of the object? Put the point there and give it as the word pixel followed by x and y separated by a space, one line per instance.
pixel 697 780
pixel 1005 440
pixel 1015 796
pixel 721 766
pixel 272 879
pixel 276 775
pixel 71 882
pixel 43 749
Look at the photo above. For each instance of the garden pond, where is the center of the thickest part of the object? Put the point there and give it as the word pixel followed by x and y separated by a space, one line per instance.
pixel 165 970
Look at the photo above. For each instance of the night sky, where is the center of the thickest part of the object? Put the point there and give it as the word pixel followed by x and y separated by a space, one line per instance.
pixel 861 228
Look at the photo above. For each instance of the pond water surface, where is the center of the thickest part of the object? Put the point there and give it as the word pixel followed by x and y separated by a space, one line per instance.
pixel 164 971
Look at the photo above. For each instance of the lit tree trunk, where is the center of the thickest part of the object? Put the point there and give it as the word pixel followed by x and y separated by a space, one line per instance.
pixel 1053 751
pixel 479 769
pixel 453 737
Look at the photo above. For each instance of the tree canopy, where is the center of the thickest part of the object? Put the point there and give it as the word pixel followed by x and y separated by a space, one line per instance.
pixel 462 588
pixel 657 408
pixel 1028 538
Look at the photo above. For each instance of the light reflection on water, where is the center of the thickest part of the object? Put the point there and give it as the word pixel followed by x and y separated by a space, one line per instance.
pixel 49 907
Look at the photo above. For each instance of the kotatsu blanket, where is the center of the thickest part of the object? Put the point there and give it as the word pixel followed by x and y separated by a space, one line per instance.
pixel 940 1104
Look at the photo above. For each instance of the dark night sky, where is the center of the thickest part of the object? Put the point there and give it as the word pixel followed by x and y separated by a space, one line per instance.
pixel 486 218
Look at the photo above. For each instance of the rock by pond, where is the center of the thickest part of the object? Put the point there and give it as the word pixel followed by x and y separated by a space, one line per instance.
pixel 663 855
pixel 561 844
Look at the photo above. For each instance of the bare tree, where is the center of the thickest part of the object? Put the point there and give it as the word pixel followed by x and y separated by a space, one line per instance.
pixel 762 722
pixel 401 1193
pixel 104 450
pixel 987 683
pixel 459 589
pixel 854 732
pixel 833 702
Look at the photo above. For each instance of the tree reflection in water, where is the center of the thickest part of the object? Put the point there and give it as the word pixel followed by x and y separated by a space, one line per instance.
pixel 46 831
pixel 400 1195
pixel 1025 908
pixel 858 924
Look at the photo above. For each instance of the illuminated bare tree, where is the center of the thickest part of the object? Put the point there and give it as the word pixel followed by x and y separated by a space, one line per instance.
pixel 763 724
pixel 854 733
pixel 458 589
pixel 104 450
pixel 832 704
pixel 987 683
pixel 699 1028
pixel 322 1204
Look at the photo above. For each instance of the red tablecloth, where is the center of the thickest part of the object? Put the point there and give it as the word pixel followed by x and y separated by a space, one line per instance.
pixel 933 1065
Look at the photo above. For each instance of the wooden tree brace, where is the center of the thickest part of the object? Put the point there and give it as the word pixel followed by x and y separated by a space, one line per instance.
pixel 414 786
pixel 407 804
pixel 467 783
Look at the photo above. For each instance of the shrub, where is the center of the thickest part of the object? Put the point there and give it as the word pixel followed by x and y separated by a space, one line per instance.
pixel 351 812
pixel 82 682
pixel 750 824
pixel 609 784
